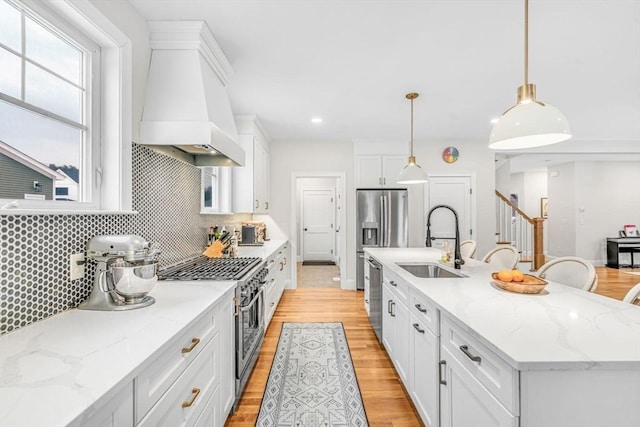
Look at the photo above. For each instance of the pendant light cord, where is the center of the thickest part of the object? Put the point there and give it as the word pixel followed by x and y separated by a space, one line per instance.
pixel 526 43
pixel 411 127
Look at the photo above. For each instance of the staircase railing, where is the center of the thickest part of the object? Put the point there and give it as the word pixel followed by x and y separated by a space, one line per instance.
pixel 514 227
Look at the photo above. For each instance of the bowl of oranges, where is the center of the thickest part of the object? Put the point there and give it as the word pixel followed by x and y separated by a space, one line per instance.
pixel 518 282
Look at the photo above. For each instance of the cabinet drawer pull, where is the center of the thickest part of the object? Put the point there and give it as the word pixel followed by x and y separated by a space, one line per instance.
pixel 257 204
pixel 392 283
pixel 272 304
pixel 194 395
pixel 285 260
pixel 194 343
pixel 389 306
pixel 393 311
pixel 420 309
pixel 443 379
pixel 281 266
pixel 417 327
pixel 465 350
pixel 272 280
pixel 367 301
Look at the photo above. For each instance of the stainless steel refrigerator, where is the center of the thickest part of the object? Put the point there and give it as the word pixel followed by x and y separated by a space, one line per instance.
pixel 381 222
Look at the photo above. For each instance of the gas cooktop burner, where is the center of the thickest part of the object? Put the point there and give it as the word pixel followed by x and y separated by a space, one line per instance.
pixel 203 268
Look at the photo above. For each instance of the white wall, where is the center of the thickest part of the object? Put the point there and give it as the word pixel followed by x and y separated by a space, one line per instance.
pixel 588 202
pixel 127 19
pixel 290 157
pixel 607 197
pixel 561 221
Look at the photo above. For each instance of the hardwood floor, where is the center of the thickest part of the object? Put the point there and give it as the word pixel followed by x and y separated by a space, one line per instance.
pixel 384 397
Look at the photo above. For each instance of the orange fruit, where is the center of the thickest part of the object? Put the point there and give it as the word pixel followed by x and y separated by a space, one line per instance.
pixel 505 275
pixel 517 275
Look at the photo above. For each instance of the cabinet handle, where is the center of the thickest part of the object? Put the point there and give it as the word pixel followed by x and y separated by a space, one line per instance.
pixel 281 266
pixel 367 301
pixel 417 327
pixel 272 304
pixel 285 260
pixel 465 350
pixel 389 306
pixel 366 277
pixel 236 304
pixel 194 343
pixel 420 309
pixel 392 283
pixel 194 395
pixel 443 379
pixel 380 180
pixel 273 279
pixel 384 181
pixel 257 204
pixel 266 206
pixel 393 306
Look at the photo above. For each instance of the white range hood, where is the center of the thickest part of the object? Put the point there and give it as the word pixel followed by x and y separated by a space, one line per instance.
pixel 186 108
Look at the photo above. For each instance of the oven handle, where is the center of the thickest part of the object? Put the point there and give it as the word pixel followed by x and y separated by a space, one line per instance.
pixel 248 306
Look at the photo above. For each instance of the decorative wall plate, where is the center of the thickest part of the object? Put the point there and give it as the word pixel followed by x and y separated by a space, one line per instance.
pixel 450 154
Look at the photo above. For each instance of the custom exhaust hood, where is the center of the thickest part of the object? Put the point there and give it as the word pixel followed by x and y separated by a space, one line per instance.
pixel 186 111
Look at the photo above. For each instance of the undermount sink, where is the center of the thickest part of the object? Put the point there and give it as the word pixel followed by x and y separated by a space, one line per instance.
pixel 428 270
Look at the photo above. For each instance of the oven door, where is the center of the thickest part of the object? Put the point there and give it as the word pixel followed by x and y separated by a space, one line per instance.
pixel 249 336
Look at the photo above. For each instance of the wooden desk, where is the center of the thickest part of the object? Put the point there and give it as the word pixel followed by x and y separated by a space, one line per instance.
pixel 621 245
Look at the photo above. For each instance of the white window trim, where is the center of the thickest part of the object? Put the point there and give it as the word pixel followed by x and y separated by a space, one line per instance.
pixel 113 175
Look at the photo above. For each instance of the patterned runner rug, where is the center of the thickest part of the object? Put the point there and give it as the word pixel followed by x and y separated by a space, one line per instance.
pixel 312 382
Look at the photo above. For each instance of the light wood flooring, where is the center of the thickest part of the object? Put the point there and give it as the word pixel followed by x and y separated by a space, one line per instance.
pixel 384 397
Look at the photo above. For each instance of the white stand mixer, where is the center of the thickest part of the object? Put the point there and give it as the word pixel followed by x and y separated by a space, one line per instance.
pixel 125 273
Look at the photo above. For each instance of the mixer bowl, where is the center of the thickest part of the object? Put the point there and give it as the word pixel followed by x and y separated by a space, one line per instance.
pixel 134 280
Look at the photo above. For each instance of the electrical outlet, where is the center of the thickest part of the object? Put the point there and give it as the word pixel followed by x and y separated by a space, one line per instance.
pixel 76 266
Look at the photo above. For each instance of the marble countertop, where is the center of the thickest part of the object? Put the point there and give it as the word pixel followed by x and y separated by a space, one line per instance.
pixel 263 251
pixel 561 328
pixel 53 370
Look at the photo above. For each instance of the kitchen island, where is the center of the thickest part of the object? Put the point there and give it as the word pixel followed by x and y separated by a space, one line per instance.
pixel 564 357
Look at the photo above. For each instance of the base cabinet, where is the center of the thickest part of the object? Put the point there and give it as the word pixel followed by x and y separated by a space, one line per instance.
pixel 424 353
pixel 395 331
pixel 465 402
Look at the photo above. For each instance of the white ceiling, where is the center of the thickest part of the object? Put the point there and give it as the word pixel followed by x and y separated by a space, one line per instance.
pixel 352 62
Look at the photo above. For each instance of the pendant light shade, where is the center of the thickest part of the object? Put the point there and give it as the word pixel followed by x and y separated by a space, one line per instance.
pixel 530 123
pixel 412 172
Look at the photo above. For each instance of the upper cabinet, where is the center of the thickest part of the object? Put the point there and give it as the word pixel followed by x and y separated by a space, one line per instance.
pixel 251 182
pixel 379 171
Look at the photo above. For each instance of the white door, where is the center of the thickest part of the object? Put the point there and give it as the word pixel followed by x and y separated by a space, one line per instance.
pixel 454 191
pixel 318 219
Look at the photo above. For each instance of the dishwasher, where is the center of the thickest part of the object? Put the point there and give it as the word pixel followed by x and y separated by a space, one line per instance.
pixel 375 296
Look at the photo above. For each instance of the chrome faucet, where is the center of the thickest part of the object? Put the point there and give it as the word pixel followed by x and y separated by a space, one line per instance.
pixel 457 261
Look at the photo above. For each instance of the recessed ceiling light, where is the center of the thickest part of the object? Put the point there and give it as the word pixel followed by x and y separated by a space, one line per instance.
pixel 316 120
pixel 495 120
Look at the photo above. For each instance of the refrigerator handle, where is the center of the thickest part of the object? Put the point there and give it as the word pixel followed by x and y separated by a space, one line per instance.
pixel 383 222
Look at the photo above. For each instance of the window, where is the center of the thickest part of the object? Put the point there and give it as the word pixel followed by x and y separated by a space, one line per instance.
pixel 216 190
pixel 56 58
pixel 46 101
pixel 62 191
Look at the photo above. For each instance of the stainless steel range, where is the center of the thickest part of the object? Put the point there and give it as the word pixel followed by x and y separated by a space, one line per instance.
pixel 249 299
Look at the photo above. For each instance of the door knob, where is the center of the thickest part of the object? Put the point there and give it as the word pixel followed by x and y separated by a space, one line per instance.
pixel 305 229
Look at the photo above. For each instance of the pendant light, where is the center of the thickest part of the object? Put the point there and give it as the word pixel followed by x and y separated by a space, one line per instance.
pixel 530 123
pixel 412 173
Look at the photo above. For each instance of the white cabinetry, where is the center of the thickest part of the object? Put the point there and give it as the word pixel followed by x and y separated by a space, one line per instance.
pixel 191 378
pixel 379 171
pixel 251 182
pixel 395 323
pixel 277 279
pixel 424 354
pixel 478 388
